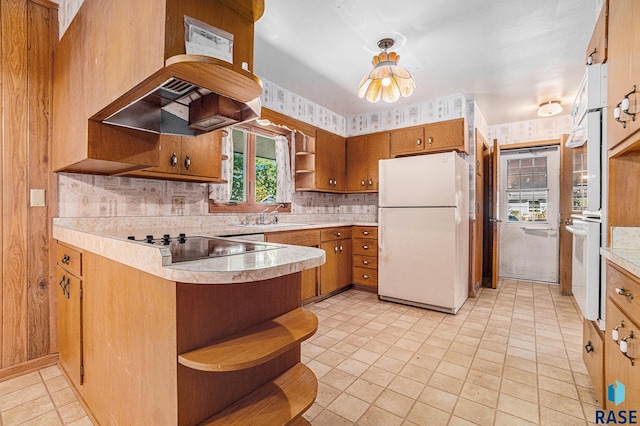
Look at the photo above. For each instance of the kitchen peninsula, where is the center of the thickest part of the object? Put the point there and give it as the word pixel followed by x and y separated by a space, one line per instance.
pixel 149 341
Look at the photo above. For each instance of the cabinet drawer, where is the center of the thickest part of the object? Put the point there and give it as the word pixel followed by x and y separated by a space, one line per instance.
pixel 620 284
pixel 365 232
pixel 306 238
pixel 593 357
pixel 370 262
pixel 365 276
pixel 69 259
pixel 365 247
pixel 617 366
pixel 332 234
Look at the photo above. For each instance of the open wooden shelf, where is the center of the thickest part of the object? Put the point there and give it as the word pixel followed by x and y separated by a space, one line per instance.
pixel 255 345
pixel 278 402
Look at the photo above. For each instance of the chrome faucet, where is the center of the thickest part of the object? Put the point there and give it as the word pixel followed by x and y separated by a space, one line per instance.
pixel 274 214
pixel 262 218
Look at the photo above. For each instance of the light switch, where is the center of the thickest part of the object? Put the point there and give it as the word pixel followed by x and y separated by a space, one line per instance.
pixel 38 198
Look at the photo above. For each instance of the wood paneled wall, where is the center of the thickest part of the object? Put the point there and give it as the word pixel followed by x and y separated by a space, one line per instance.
pixel 28 30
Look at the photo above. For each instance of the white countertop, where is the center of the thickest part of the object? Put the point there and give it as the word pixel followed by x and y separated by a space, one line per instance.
pixel 156 260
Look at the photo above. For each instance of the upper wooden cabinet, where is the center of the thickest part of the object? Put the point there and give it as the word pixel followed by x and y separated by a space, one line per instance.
pixel 363 154
pixel 623 57
pixel 597 48
pixel 117 51
pixel 197 159
pixel 330 157
pixel 434 137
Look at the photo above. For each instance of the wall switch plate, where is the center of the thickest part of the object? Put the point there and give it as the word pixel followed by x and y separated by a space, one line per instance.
pixel 38 198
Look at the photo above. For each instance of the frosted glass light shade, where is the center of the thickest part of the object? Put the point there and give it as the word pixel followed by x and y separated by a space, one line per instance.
pixel 547 109
pixel 387 80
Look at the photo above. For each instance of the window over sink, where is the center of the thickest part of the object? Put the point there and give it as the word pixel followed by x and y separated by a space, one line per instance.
pixel 255 168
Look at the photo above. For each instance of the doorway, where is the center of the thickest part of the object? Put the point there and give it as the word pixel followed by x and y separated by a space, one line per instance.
pixel 529 206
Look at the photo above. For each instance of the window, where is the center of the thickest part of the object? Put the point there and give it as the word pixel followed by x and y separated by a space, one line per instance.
pixel 527 189
pixel 254 171
pixel 579 181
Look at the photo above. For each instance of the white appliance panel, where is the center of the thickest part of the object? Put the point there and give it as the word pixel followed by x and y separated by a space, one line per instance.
pixel 419 257
pixel 585 267
pixel 424 180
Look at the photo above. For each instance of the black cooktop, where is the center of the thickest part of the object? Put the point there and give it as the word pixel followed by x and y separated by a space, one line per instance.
pixel 184 249
pixel 194 248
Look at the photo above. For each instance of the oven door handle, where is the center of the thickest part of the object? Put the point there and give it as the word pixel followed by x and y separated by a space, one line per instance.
pixel 577 231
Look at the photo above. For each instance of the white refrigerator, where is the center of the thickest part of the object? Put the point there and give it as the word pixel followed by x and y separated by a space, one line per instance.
pixel 423 235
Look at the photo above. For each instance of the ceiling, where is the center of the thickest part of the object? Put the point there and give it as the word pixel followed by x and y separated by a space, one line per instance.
pixel 507 55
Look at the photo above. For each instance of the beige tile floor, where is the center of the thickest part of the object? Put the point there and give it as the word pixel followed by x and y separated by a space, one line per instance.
pixel 510 357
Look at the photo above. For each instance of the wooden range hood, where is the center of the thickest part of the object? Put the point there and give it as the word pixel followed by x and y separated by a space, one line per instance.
pixel 116 53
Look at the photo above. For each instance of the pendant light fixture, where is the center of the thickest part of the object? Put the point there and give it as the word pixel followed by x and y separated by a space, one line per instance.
pixel 387 80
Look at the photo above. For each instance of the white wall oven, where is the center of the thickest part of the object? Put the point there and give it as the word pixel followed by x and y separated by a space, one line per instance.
pixel 589 192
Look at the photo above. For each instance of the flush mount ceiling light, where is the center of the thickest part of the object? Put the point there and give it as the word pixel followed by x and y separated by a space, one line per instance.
pixel 387 80
pixel 549 108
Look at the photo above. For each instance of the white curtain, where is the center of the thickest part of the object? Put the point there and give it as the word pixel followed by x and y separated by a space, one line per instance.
pixel 284 188
pixel 221 192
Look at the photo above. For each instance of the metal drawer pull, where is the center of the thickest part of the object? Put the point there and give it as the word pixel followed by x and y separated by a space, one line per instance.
pixel 337 234
pixel 625 104
pixel 335 249
pixel 365 232
pixel 625 293
pixel 340 248
pixel 370 182
pixel 365 262
pixel 362 182
pixel 65 259
pixel 365 276
pixel 187 162
pixel 173 161
pixel 588 347
pixel 366 247
pixel 419 142
pixel 430 140
pixel 624 347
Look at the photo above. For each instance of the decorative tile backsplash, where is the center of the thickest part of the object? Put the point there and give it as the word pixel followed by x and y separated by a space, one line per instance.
pixel 105 196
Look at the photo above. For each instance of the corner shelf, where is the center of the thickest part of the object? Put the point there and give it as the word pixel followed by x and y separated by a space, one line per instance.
pixel 255 345
pixel 280 401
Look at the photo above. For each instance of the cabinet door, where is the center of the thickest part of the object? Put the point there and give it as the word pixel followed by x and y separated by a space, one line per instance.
pixel 169 155
pixel 339 163
pixel 69 324
pixel 407 141
pixel 597 48
pixel 624 67
pixel 618 367
pixel 324 178
pixel 329 271
pixel 202 155
pixel 378 149
pixel 344 263
pixel 445 136
pixel 357 163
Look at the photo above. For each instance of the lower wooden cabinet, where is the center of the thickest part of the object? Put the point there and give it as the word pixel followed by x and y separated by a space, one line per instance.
pixel 335 274
pixel 365 256
pixel 69 302
pixel 622 351
pixel 593 357
pixel 307 238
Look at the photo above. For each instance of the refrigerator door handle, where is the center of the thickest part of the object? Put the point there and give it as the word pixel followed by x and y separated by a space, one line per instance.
pixel 381 231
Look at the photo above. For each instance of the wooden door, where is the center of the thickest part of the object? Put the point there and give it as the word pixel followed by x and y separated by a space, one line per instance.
pixel 378 149
pixel 324 179
pixel 495 217
pixel 357 163
pixel 344 263
pixel 567 158
pixel 446 135
pixel 202 155
pixel 169 155
pixel 329 271
pixel 69 324
pixel 623 70
pixel 407 141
